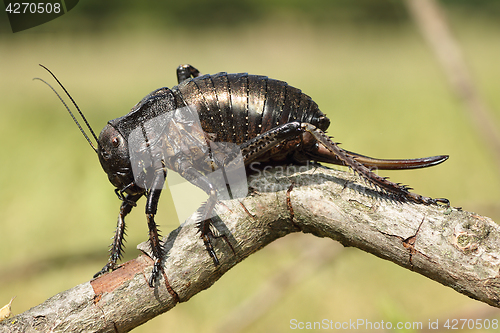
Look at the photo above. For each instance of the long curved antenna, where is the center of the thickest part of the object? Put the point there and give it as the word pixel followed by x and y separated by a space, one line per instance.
pixel 69 111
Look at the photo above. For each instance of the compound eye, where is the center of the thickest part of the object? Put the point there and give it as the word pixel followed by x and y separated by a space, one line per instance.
pixel 115 141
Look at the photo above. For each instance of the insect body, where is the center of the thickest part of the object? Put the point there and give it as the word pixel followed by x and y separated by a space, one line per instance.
pixel 182 129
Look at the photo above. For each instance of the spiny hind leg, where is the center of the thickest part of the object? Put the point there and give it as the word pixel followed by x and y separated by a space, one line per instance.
pixel 259 145
pixel 400 192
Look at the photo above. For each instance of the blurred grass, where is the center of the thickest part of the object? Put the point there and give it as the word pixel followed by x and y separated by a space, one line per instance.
pixel 379 84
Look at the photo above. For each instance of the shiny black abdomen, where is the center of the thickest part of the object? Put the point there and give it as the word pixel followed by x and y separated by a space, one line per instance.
pixel 238 107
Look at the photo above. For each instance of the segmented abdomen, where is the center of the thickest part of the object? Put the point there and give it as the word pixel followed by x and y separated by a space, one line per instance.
pixel 238 107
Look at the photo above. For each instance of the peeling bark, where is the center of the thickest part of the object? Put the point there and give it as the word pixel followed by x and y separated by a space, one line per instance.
pixel 456 248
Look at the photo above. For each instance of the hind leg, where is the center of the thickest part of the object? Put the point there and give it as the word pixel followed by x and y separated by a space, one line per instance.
pixel 206 211
pixel 260 145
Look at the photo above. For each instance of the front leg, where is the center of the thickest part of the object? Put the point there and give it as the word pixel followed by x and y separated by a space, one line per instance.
pixel 116 250
pixel 153 196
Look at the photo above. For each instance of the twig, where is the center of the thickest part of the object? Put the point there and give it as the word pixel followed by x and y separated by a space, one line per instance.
pixel 456 248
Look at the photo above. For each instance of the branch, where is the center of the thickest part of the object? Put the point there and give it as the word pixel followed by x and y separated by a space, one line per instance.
pixel 456 248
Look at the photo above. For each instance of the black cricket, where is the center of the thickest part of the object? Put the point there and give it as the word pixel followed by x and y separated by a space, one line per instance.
pixel 270 121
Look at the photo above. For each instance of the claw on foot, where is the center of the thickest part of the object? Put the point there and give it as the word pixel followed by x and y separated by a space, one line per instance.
pixel 206 233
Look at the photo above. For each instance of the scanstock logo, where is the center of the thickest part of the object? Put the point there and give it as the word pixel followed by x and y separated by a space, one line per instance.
pixel 26 15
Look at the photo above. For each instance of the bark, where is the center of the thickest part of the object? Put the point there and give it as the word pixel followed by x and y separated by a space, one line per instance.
pixel 457 248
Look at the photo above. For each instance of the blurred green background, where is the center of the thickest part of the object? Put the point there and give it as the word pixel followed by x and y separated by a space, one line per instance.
pixel 364 62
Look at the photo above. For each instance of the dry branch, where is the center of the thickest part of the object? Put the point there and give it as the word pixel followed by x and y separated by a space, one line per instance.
pixel 456 248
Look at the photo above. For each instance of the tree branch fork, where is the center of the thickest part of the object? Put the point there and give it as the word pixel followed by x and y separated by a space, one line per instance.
pixel 457 248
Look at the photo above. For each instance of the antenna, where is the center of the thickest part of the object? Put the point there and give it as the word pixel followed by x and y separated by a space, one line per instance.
pixel 69 111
